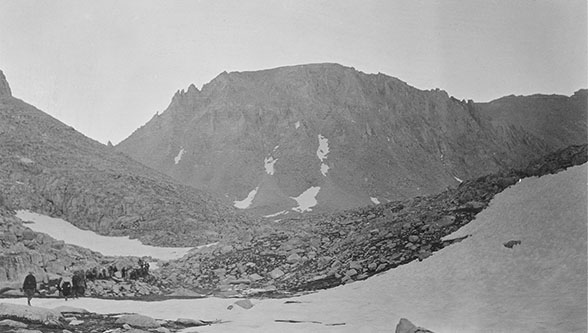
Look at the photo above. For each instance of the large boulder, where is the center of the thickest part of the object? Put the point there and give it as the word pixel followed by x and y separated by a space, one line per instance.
pixel 138 321
pixel 29 313
pixel 405 326
pixel 244 303
pixel 12 323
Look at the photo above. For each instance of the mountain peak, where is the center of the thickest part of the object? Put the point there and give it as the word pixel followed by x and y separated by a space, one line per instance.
pixel 4 86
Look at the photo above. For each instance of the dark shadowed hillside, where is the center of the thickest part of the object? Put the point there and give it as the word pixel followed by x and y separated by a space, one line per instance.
pixel 48 167
pixel 325 136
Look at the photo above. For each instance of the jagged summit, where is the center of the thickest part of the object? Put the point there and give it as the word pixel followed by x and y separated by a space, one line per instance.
pixel 296 73
pixel 4 86
pixel 296 85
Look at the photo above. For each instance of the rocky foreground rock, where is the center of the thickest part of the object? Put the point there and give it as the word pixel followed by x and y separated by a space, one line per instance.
pixel 22 318
pixel 28 319
pixel 405 326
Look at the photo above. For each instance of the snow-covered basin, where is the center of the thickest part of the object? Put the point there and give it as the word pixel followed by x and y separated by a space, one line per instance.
pixel 107 245
pixel 477 285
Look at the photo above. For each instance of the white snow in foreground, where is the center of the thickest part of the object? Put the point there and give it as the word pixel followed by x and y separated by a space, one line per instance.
pixel 297 124
pixel 178 157
pixel 476 285
pixel 245 203
pixel 107 245
pixel 306 200
pixel 276 214
pixel 375 200
pixel 322 152
pixel 269 165
pixel 459 180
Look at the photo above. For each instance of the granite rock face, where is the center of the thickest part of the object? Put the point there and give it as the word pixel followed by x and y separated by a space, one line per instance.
pixel 266 137
pixel 50 168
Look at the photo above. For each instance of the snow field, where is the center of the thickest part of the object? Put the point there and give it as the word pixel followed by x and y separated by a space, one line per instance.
pixel 107 245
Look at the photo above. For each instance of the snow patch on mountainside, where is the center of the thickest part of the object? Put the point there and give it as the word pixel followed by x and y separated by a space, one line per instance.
pixel 269 162
pixel 178 157
pixel 269 165
pixel 323 148
pixel 324 169
pixel 107 245
pixel 276 214
pixel 245 203
pixel 321 153
pixel 306 200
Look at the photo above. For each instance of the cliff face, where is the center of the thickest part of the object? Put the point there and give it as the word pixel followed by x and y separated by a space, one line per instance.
pixel 48 167
pixel 336 136
pixel 558 120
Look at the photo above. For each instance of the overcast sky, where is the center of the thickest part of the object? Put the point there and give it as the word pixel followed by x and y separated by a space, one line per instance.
pixel 105 67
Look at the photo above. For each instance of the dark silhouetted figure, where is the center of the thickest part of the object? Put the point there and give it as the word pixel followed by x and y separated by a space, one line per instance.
pixel 78 282
pixel 29 287
pixel 66 285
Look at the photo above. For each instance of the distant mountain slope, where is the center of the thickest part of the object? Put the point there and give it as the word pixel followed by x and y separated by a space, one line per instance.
pixel 558 120
pixel 48 167
pixel 327 136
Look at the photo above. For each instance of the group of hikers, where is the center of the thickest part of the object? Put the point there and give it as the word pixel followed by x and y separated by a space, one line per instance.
pixel 74 284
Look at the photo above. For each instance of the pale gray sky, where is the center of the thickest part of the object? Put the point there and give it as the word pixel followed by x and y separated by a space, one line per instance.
pixel 105 67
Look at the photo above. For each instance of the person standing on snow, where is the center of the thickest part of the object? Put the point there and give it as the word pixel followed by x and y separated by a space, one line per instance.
pixel 29 287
